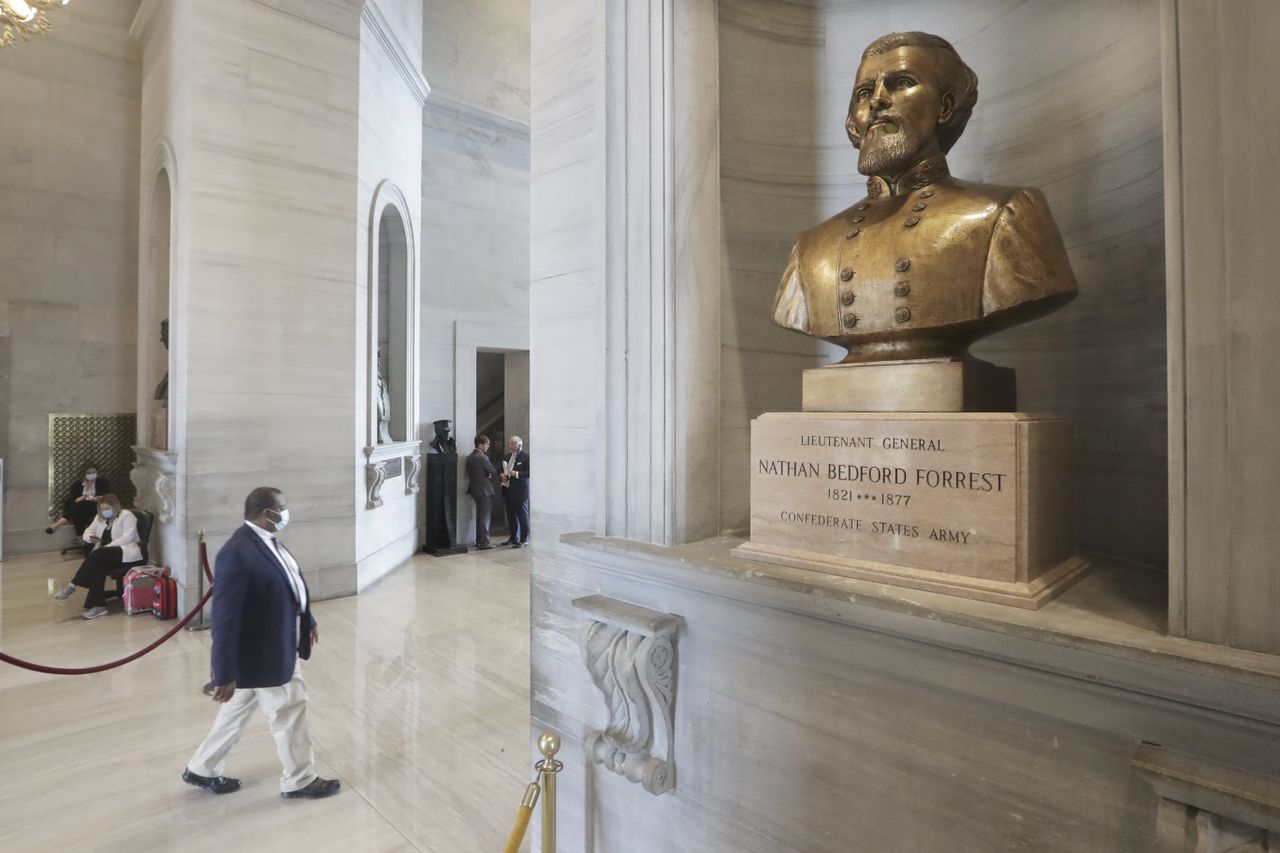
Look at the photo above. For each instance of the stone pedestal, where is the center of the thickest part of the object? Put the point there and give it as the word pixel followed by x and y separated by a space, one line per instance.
pixel 975 505
pixel 442 495
pixel 925 385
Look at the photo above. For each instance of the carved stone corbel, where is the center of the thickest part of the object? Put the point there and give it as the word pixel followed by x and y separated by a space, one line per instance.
pixel 374 476
pixel 412 468
pixel 1207 807
pixel 630 653
pixel 166 488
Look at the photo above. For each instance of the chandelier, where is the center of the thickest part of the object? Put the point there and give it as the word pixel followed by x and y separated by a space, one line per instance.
pixel 24 18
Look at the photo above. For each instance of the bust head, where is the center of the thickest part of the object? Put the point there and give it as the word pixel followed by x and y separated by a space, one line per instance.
pixel 911 100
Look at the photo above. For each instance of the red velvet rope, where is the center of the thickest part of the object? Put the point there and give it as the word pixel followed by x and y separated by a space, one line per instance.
pixel 86 670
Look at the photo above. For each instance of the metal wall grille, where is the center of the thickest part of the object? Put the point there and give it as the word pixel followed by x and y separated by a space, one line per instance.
pixel 106 440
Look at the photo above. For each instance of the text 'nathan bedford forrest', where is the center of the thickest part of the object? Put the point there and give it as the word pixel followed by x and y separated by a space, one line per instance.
pixel 887 475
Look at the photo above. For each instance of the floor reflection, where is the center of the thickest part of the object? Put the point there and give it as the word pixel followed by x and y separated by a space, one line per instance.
pixel 419 700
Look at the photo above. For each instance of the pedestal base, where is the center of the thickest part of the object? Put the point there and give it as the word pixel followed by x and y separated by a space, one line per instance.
pixel 934 385
pixel 974 505
pixel 1029 596
pixel 444 551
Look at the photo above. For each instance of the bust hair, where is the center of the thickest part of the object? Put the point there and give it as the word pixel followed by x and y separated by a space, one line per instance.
pixel 517 440
pixel 110 501
pixel 482 440
pixel 259 501
pixel 954 76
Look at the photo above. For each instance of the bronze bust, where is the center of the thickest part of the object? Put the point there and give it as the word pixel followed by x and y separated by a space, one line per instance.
pixel 924 264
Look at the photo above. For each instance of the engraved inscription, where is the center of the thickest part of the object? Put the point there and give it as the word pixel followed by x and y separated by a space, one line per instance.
pixel 925 493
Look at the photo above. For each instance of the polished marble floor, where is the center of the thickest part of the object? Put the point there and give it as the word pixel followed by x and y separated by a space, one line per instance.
pixel 419 697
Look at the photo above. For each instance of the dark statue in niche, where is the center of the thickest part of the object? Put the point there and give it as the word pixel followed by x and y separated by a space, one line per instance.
pixel 925 264
pixel 443 441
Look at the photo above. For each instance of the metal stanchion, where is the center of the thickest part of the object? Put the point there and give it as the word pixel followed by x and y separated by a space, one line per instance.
pixel 548 767
pixel 522 818
pixel 200 624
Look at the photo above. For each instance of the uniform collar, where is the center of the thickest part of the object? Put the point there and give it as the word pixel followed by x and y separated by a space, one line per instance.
pixel 917 177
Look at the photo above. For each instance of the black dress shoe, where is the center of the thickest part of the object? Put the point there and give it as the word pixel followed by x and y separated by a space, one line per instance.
pixel 219 785
pixel 318 789
pixel 484 547
pixel 509 542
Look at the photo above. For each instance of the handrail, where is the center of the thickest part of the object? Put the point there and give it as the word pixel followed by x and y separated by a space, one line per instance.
pixel 548 767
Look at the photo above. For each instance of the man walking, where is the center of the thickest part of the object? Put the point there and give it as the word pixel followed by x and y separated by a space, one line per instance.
pixel 515 491
pixel 262 624
pixel 480 477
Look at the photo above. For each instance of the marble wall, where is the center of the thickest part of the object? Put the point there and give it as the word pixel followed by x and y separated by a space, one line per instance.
pixel 68 221
pixel 391 92
pixel 785 76
pixel 844 720
pixel 475 205
pixel 567 310
pixel 272 350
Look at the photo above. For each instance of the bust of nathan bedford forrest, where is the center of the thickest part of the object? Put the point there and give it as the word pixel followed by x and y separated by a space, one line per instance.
pixel 924 264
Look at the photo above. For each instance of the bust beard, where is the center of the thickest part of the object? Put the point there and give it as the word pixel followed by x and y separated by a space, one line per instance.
pixel 887 153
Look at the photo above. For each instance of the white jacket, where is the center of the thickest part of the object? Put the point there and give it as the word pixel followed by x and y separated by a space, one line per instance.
pixel 124 535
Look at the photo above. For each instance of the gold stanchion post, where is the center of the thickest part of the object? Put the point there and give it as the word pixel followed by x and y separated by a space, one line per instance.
pixel 522 818
pixel 548 767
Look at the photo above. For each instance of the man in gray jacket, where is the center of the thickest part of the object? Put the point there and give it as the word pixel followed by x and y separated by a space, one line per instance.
pixel 480 479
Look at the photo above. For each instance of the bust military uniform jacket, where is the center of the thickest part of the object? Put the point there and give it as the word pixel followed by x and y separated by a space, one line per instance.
pixel 933 256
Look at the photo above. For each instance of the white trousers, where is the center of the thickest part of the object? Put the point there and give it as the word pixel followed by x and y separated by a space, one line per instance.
pixel 286 710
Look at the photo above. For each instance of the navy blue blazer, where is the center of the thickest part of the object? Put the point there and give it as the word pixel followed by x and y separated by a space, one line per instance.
pixel 256 636
pixel 518 487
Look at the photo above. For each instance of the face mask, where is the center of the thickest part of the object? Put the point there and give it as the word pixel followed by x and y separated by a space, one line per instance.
pixel 91 477
pixel 107 513
pixel 284 520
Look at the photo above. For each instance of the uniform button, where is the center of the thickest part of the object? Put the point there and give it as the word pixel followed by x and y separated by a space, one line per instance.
pixel 854 233
pixel 902 265
pixel 859 218
pixel 912 221
pixel 919 206
pixel 850 320
pixel 926 194
pixel 847 298
pixel 902 315
pixel 846 274
pixel 901 289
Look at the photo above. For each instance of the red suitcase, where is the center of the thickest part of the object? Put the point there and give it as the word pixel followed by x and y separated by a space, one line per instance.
pixel 166 597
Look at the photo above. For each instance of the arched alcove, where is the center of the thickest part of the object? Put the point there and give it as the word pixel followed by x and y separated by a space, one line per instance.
pixel 392 338
pixel 392 326
pixel 156 332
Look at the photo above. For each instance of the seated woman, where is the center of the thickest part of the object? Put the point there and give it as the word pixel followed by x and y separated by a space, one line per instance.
pixel 114 537
pixel 81 506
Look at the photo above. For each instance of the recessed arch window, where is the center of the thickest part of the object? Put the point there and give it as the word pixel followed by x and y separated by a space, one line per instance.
pixel 392 326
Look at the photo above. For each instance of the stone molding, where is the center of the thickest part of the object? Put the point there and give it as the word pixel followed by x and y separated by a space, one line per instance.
pixel 383 452
pixel 471 114
pixel 155 477
pixel 412 472
pixel 143 19
pixel 403 61
pixel 630 652
pixel 1207 807
pixel 375 474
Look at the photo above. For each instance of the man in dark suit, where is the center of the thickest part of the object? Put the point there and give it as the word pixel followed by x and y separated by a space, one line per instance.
pixel 262 624
pixel 515 491
pixel 480 477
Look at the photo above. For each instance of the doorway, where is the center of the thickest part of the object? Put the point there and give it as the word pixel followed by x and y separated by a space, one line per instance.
pixel 502 410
